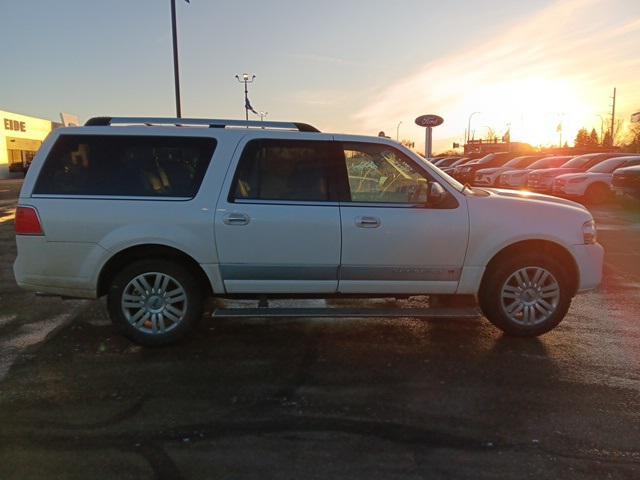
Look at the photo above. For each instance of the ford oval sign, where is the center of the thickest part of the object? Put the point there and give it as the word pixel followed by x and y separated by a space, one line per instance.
pixel 429 120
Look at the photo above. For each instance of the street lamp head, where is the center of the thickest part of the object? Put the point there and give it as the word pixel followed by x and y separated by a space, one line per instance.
pixel 245 77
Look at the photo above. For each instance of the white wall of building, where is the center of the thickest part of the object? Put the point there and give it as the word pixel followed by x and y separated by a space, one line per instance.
pixel 14 125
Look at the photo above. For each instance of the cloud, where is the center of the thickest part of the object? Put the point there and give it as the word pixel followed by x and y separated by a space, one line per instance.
pixel 556 66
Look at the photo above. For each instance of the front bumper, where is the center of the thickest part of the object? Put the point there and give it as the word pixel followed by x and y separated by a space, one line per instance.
pixel 589 259
pixel 568 190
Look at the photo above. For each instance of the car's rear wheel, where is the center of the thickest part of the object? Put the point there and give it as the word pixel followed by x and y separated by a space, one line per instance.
pixel 597 193
pixel 155 302
pixel 526 295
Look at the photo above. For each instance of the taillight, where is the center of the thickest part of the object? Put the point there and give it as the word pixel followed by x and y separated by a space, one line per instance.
pixel 27 221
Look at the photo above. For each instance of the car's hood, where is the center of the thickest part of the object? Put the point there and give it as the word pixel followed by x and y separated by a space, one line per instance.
pixel 524 196
pixel 554 172
pixel 508 213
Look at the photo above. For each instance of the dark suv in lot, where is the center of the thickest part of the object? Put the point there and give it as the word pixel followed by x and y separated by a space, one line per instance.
pixel 626 181
pixel 466 173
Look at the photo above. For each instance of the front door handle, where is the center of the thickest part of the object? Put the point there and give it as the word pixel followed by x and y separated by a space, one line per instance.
pixel 236 219
pixel 367 222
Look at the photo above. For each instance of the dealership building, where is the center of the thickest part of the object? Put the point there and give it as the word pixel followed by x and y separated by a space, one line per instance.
pixel 20 139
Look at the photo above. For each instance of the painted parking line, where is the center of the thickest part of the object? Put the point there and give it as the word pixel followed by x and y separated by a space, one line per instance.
pixel 9 217
pixel 30 334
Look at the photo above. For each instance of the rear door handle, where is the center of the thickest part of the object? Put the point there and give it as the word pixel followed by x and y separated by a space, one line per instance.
pixel 367 222
pixel 236 219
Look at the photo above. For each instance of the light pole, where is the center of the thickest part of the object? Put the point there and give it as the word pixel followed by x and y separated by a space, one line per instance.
pixel 246 79
pixel 262 115
pixel 398 131
pixel 469 125
pixel 176 70
pixel 601 127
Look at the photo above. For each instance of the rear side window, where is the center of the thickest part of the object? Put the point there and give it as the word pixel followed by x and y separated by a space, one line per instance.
pixel 287 170
pixel 125 165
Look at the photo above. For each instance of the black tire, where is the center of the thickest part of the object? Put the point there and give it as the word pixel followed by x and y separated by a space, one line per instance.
pixel 191 306
pixel 490 296
pixel 597 193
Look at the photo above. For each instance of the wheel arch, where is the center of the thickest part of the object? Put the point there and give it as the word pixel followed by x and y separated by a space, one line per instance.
pixel 557 251
pixel 149 251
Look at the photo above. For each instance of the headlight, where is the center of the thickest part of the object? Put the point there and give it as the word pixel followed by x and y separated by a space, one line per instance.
pixel 576 180
pixel 589 232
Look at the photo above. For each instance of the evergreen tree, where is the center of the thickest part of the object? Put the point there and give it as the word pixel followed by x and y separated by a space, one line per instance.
pixel 593 137
pixel 582 138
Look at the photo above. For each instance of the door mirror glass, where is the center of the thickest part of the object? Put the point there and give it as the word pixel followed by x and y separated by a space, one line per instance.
pixel 437 195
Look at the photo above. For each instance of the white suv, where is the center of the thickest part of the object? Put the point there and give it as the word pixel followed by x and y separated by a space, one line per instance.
pixel 157 214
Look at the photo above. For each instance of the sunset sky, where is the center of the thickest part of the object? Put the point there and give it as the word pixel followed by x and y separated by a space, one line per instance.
pixel 344 66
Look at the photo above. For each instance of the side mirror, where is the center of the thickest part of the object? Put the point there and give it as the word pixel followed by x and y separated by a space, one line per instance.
pixel 437 195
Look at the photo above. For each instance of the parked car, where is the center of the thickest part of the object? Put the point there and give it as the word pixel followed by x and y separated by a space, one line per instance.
pixel 460 161
pixel 487 177
pixel 626 181
pixel 517 179
pixel 465 173
pixel 542 180
pixel 446 161
pixel 158 214
pixel 453 165
pixel 594 185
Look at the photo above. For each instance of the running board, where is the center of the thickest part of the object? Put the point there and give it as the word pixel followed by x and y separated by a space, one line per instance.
pixel 269 312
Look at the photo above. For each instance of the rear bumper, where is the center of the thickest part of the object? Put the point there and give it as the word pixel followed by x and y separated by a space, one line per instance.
pixel 589 259
pixel 57 268
pixel 568 191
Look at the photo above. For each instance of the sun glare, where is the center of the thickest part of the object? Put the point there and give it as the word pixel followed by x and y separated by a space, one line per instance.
pixel 534 110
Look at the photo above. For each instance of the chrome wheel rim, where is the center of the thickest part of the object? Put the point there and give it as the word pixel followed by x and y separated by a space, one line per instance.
pixel 530 295
pixel 154 303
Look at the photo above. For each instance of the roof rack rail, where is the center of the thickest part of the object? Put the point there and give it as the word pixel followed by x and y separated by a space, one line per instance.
pixel 202 122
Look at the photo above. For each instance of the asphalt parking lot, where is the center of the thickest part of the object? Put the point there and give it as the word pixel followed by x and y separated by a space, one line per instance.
pixel 300 398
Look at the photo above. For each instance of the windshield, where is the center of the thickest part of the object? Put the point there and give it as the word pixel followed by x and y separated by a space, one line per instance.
pixel 486 158
pixel 549 162
pixel 579 162
pixel 520 161
pixel 608 166
pixel 460 162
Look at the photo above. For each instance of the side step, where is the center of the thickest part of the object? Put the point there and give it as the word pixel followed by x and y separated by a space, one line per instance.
pixel 268 312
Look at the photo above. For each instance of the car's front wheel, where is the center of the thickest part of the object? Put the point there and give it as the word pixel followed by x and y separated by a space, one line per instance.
pixel 155 302
pixel 526 295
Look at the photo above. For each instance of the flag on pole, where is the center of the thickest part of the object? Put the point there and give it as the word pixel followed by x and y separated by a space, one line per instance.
pixel 635 118
pixel 247 105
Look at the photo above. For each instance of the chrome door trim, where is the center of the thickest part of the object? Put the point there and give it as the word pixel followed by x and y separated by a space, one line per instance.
pixel 400 273
pixel 278 272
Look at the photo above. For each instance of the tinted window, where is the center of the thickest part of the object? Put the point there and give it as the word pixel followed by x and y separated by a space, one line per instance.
pixel 124 165
pixel 549 162
pixel 521 162
pixel 285 170
pixel 608 166
pixel 379 173
pixel 581 161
